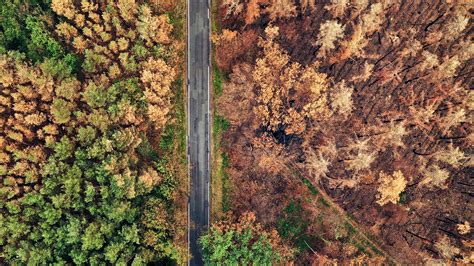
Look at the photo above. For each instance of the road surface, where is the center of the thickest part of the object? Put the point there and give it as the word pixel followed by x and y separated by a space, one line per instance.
pixel 198 123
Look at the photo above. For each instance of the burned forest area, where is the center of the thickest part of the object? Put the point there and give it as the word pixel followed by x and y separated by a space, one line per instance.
pixel 347 127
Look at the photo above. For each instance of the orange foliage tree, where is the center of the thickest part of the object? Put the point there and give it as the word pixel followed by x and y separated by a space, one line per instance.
pixel 287 93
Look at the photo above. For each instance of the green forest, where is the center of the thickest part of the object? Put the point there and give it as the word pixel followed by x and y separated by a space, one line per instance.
pixel 89 90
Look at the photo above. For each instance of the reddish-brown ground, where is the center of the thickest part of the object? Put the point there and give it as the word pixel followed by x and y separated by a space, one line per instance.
pixel 397 87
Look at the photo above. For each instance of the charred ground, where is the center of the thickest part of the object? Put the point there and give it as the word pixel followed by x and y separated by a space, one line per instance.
pixel 386 132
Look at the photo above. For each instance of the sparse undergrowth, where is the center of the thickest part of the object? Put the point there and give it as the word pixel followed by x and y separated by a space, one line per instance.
pixel 220 186
pixel 372 109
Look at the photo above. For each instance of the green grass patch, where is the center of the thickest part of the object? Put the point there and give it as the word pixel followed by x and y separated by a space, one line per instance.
pixel 146 150
pixel 167 138
pixel 292 226
pixel 220 125
pixel 225 182
pixel 178 24
pixel 220 180
pixel 310 186
pixel 225 160
pixel 324 202
pixel 350 229
pixel 362 249
pixel 215 27
pixel 180 109
pixel 371 237
pixel 177 18
pixel 373 248
pixel 217 80
pixel 174 134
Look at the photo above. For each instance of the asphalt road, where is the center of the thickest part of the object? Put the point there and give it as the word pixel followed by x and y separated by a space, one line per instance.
pixel 198 123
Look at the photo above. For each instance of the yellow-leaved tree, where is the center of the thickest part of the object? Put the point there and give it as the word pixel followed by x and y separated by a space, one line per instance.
pixel 287 93
pixel 390 187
